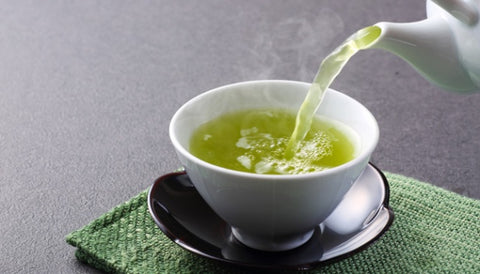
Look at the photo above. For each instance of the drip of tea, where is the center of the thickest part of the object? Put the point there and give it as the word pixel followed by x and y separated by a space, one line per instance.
pixel 328 70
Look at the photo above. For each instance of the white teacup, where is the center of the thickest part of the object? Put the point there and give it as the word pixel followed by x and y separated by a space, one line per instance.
pixel 272 212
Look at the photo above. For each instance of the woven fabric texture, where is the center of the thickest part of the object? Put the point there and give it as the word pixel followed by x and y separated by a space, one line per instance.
pixel 434 231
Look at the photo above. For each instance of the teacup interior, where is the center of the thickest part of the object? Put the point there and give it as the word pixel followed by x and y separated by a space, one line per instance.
pixel 273 94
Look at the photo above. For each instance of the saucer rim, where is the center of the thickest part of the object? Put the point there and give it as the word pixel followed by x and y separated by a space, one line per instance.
pixel 301 266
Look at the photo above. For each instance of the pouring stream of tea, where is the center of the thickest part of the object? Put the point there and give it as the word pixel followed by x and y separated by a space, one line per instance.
pixel 328 70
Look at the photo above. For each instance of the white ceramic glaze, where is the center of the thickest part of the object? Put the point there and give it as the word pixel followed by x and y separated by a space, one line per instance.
pixel 444 48
pixel 271 212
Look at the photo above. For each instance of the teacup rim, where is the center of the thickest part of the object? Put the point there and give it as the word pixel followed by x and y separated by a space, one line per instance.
pixel 273 177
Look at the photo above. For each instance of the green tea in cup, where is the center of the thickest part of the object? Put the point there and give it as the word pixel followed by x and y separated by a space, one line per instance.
pixel 255 141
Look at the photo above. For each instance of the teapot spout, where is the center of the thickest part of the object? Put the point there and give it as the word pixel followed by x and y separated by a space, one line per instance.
pixel 429 47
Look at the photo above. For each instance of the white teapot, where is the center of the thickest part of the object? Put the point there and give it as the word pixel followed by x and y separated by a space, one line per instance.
pixel 444 48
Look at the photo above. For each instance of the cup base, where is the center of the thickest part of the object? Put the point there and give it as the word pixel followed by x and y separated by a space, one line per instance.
pixel 282 243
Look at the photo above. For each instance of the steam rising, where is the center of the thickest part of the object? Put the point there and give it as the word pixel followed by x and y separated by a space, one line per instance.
pixel 299 42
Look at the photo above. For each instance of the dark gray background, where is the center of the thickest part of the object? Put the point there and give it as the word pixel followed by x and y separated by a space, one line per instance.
pixel 87 89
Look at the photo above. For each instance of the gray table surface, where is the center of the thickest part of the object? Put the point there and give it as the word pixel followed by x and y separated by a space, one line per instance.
pixel 87 89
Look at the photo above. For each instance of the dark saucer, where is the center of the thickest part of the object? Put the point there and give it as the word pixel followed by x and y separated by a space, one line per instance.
pixel 361 218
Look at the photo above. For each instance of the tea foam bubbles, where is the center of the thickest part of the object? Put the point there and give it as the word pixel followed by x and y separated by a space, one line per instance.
pixel 304 161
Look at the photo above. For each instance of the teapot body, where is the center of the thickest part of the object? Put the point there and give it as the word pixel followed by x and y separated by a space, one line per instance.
pixel 444 48
pixel 465 30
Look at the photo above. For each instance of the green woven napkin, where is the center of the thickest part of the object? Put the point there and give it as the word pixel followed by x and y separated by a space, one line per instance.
pixel 434 231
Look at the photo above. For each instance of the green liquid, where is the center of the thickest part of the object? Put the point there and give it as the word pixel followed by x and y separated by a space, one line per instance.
pixel 329 69
pixel 255 141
